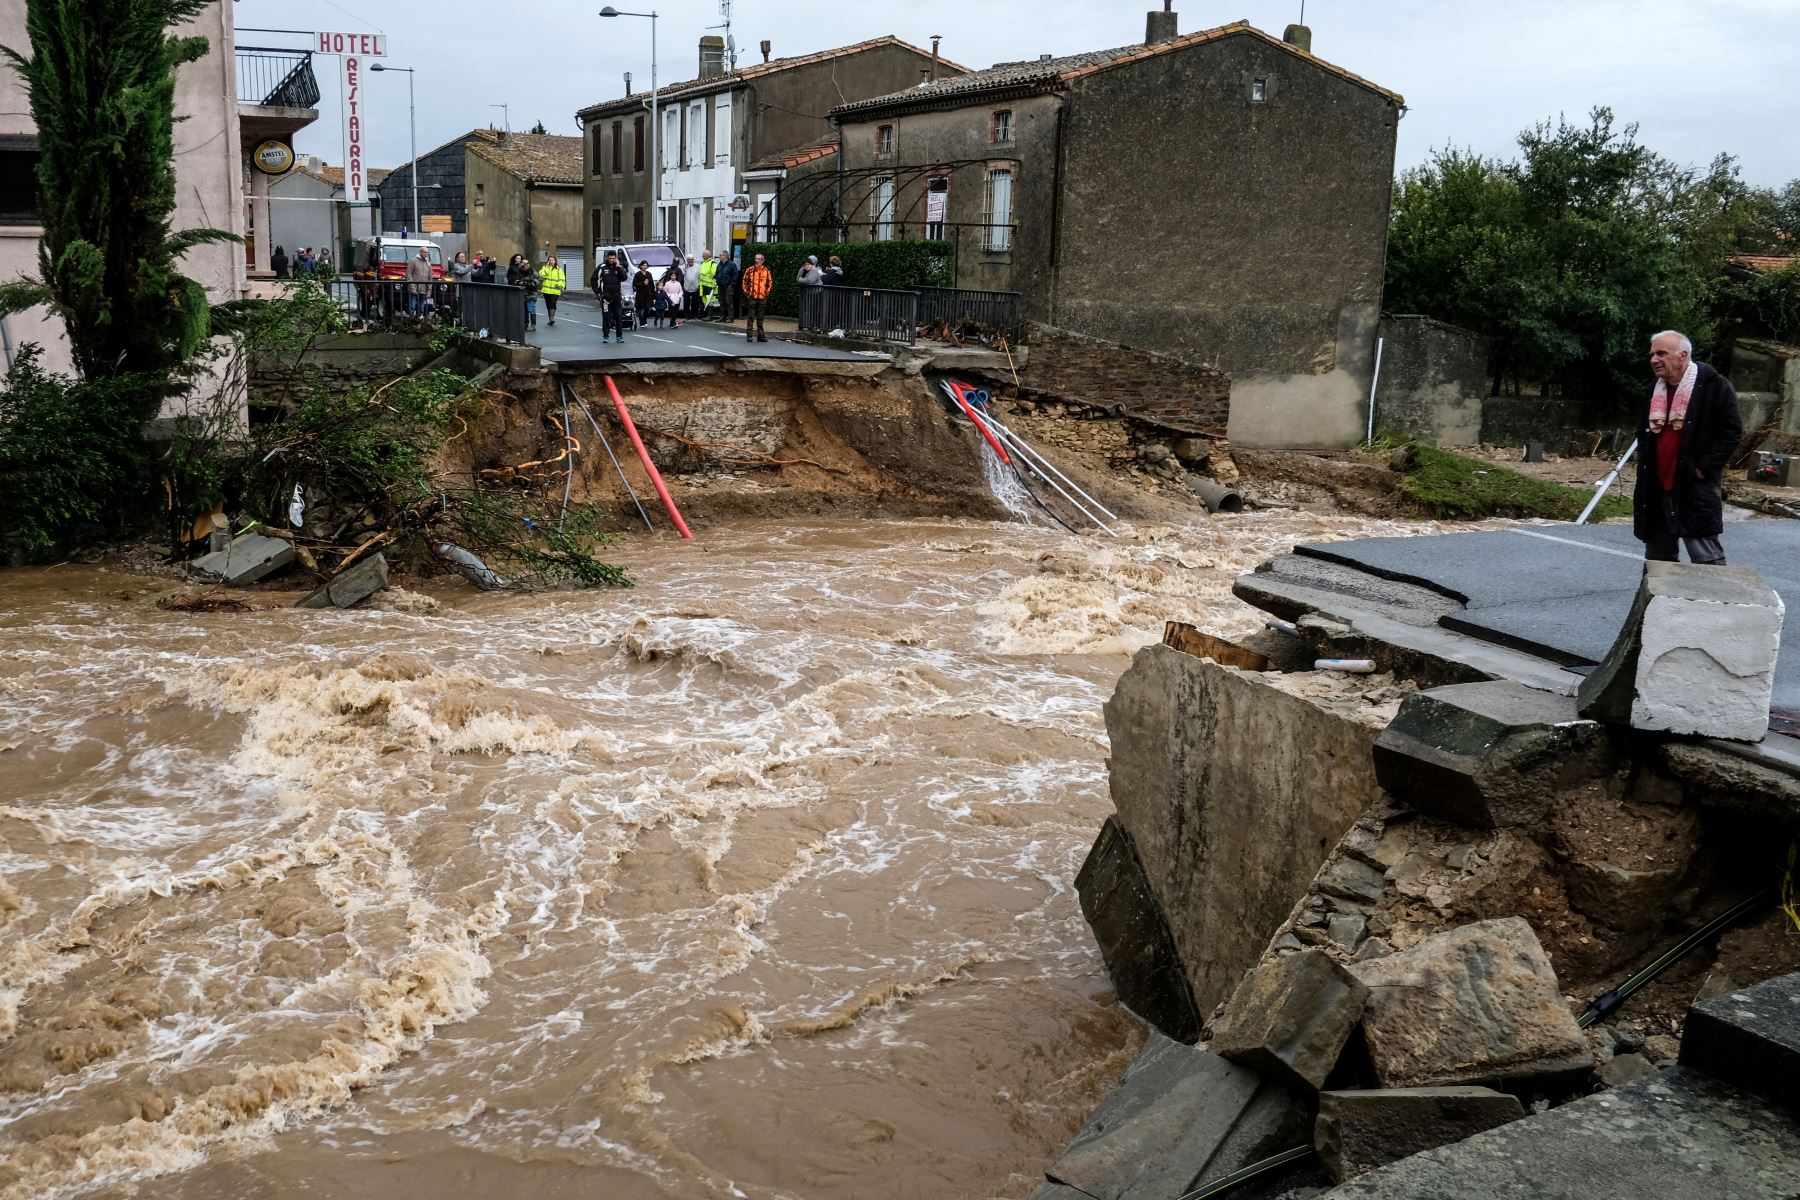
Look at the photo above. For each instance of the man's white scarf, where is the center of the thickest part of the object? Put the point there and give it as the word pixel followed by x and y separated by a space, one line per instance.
pixel 1673 413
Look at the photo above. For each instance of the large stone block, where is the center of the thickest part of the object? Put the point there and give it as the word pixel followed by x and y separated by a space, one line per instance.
pixel 1359 1131
pixel 1696 655
pixel 1180 1117
pixel 1488 755
pixel 1134 937
pixel 350 586
pixel 1677 1136
pixel 1477 1004
pixel 1233 792
pixel 248 559
pixel 1750 1037
pixel 1290 1018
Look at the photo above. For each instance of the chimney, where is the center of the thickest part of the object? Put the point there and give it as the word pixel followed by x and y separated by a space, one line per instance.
pixel 1162 26
pixel 767 46
pixel 935 39
pixel 712 56
pixel 924 76
pixel 1299 37
pixel 628 85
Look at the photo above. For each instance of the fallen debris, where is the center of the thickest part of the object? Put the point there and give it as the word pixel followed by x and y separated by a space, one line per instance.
pixel 1696 655
pixel 470 567
pixel 1291 1017
pixel 1359 1131
pixel 352 585
pixel 1133 935
pixel 1750 1038
pixel 1479 1003
pixel 248 559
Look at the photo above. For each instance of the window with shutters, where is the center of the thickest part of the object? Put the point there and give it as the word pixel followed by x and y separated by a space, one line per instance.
pixel 1003 127
pixel 618 224
pixel 618 147
pixel 637 142
pixel 637 223
pixel 881 204
pixel 884 140
pixel 997 214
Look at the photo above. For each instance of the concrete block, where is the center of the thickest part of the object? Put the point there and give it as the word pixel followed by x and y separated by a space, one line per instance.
pixel 1234 793
pixel 1621 898
pixel 246 560
pixel 1134 937
pixel 1359 1131
pixel 1477 1004
pixel 1290 1018
pixel 1750 1037
pixel 1180 1117
pixel 1488 755
pixel 1696 655
pixel 1679 1134
pixel 350 586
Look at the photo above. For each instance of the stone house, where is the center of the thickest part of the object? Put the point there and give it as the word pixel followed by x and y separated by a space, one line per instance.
pixel 497 192
pixel 715 127
pixel 1221 196
pixel 307 208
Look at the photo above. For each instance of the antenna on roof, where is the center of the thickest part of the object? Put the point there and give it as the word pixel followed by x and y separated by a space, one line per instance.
pixel 730 42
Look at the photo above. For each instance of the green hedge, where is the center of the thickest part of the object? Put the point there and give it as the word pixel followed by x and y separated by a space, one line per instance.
pixel 893 266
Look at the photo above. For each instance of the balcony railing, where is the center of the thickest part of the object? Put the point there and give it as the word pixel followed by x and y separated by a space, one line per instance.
pixel 276 78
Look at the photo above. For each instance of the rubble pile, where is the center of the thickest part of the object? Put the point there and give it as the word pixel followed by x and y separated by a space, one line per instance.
pixel 1541 955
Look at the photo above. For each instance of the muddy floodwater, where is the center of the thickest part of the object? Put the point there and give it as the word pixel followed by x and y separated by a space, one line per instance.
pixel 753 881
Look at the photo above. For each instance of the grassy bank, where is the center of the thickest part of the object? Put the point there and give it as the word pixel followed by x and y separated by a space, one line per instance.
pixel 1452 485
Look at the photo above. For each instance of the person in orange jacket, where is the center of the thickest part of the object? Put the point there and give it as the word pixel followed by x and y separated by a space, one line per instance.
pixel 758 283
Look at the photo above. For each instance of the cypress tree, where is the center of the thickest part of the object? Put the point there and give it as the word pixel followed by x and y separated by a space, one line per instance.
pixel 101 78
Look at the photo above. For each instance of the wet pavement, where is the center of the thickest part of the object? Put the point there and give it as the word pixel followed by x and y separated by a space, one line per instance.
pixel 575 340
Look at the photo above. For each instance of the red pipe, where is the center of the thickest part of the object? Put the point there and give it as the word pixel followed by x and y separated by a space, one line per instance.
pixel 644 457
pixel 956 390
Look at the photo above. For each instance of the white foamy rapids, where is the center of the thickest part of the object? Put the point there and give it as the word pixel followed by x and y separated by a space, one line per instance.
pixel 576 877
pixel 1007 488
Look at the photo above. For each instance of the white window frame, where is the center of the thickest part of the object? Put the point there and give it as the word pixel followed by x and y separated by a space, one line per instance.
pixel 670 149
pixel 997 210
pixel 884 140
pixel 1003 134
pixel 722 131
pixel 696 136
pixel 881 207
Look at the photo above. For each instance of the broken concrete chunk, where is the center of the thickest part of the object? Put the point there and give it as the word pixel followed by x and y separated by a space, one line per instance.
pixel 1290 1018
pixel 1353 879
pixel 1359 1131
pixel 247 560
pixel 1133 935
pixel 352 585
pixel 1621 898
pixel 1696 655
pixel 1488 755
pixel 1479 1003
pixel 1750 1037
pixel 1180 1117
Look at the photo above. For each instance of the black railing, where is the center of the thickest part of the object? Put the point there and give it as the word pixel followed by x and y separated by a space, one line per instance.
pixel 1001 312
pixel 275 78
pixel 490 310
pixel 861 313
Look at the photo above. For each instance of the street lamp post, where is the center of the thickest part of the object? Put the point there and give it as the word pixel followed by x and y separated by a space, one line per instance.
pixel 412 125
pixel 655 124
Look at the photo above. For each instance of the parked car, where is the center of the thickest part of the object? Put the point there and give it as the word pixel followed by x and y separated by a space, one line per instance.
pixel 385 257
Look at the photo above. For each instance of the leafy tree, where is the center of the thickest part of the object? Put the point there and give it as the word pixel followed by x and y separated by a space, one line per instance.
pixel 1570 257
pixel 539 128
pixel 101 78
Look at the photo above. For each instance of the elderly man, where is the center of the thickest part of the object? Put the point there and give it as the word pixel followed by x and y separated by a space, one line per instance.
pixel 1693 427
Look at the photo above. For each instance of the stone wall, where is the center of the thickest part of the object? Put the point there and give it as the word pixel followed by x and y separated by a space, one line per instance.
pixel 340 364
pixel 1433 381
pixel 1234 792
pixel 1516 420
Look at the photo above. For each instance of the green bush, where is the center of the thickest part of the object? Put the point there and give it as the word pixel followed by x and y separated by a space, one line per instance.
pixel 890 266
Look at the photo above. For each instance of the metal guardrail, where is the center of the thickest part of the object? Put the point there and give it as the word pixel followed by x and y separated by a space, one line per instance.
pixel 276 78
pixel 861 313
pixel 492 310
pixel 1000 311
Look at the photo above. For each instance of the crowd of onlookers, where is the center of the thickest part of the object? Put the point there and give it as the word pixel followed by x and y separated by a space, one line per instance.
pixel 303 263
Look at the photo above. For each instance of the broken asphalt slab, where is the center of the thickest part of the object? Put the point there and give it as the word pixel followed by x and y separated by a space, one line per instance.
pixel 1677 1136
pixel 1751 1038
pixel 249 558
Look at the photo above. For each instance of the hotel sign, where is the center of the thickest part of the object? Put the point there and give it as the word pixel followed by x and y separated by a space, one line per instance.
pixel 353 51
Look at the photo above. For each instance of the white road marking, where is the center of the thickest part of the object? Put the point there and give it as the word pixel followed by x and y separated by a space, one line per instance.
pixel 1583 545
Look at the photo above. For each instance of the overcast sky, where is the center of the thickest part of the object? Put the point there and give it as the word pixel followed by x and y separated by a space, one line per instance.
pixel 1699 76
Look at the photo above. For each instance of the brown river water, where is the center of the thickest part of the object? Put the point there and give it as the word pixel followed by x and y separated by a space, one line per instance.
pixel 753 881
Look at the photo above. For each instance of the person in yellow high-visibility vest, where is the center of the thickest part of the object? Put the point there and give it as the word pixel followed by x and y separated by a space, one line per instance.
pixel 552 281
pixel 709 286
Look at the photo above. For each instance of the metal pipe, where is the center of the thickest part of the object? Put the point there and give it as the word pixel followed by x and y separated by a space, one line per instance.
pixel 1612 477
pixel 607 445
pixel 1076 504
pixel 1218 497
pixel 569 453
pixel 1028 451
pixel 1374 383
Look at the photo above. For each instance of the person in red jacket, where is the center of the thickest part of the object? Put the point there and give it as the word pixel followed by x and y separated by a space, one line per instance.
pixel 1692 430
pixel 758 283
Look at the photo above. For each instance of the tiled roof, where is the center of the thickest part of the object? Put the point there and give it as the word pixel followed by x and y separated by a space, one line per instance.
pixel 676 91
pixel 788 159
pixel 1764 264
pixel 533 157
pixel 1055 72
